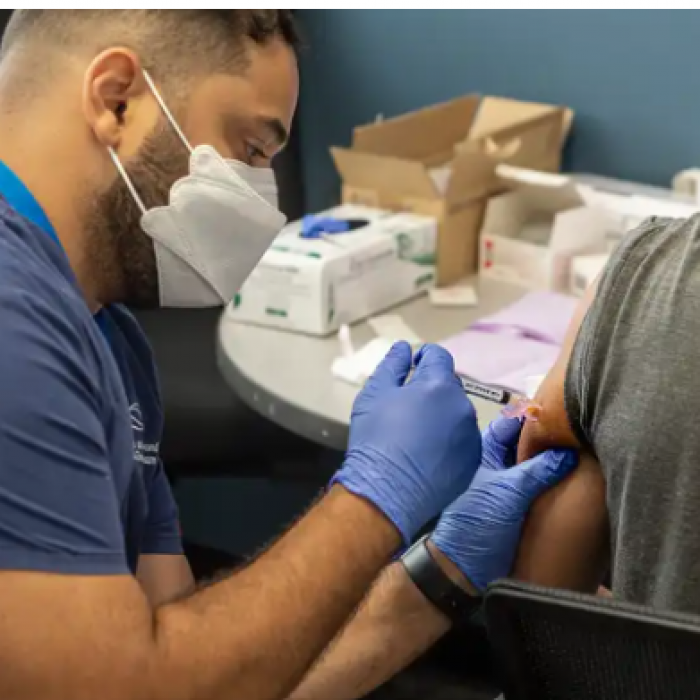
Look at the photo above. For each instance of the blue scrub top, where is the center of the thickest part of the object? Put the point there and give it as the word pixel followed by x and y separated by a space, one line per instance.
pixel 82 486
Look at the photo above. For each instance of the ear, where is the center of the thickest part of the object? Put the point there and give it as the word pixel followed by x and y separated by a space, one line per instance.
pixel 113 84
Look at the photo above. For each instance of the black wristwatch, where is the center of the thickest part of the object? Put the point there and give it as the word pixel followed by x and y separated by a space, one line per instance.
pixel 437 586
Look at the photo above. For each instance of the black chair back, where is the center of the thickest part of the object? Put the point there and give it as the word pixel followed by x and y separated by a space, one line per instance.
pixel 551 645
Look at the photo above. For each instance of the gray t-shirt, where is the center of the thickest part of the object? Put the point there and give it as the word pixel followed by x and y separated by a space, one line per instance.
pixel 633 397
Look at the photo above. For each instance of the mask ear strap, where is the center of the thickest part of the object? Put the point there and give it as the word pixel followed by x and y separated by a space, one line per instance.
pixel 127 180
pixel 166 111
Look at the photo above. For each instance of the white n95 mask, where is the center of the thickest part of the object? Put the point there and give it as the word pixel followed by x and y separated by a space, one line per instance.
pixel 219 222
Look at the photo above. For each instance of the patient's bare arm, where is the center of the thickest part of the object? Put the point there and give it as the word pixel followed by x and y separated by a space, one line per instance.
pixel 564 544
pixel 565 541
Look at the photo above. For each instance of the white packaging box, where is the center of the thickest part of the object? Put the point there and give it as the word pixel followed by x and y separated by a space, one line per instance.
pixel 627 213
pixel 585 270
pixel 532 232
pixel 315 286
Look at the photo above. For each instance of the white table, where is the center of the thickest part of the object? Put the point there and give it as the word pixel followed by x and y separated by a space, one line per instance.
pixel 287 377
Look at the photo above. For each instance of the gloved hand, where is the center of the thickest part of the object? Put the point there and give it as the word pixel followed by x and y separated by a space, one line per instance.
pixel 414 447
pixel 481 531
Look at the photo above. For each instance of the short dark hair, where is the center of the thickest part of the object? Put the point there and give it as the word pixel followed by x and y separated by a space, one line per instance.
pixel 166 40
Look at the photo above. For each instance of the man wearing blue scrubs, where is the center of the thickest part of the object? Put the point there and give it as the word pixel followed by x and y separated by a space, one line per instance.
pixel 134 168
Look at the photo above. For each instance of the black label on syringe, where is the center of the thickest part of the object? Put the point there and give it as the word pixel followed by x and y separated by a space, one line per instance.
pixel 485 392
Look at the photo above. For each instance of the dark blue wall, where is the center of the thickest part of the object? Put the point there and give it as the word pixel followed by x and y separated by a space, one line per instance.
pixel 631 75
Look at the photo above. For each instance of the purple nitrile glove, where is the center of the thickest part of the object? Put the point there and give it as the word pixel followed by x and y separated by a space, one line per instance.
pixel 481 531
pixel 414 446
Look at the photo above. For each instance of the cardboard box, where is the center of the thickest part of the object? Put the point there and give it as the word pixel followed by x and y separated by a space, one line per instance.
pixel 314 286
pixel 532 232
pixel 440 162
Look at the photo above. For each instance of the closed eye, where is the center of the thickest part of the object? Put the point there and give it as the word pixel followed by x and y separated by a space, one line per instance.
pixel 253 153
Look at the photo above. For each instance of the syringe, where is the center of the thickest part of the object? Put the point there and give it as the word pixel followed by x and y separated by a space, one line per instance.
pixel 514 405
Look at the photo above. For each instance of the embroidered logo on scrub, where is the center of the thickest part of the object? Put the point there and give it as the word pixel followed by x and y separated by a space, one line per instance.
pixel 144 452
pixel 136 418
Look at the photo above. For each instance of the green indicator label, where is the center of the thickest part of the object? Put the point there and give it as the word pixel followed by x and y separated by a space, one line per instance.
pixel 425 279
pixel 277 313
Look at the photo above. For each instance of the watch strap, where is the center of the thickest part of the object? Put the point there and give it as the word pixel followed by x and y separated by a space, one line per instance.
pixel 437 586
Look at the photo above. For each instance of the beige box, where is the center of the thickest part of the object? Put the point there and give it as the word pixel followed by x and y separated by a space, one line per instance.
pixel 440 162
pixel 314 286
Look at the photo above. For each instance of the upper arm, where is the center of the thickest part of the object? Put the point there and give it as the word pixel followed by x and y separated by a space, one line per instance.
pixel 165 578
pixel 163 572
pixel 66 595
pixel 564 543
pixel 565 540
pixel 553 429
pixel 162 535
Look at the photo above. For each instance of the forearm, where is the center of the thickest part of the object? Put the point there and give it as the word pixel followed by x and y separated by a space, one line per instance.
pixel 255 635
pixel 394 625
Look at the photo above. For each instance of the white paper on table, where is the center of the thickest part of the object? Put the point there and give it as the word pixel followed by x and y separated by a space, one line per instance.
pixel 361 365
pixel 454 296
pixel 393 328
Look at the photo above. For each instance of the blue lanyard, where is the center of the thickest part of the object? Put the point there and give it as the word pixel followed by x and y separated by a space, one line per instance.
pixel 24 203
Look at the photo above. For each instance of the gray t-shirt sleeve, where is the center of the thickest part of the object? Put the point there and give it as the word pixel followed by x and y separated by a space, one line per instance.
pixel 59 511
pixel 584 373
pixel 633 395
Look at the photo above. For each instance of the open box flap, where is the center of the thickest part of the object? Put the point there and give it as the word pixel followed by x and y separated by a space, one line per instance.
pixel 496 113
pixel 473 176
pixel 382 173
pixel 423 135
pixel 535 141
pixel 547 192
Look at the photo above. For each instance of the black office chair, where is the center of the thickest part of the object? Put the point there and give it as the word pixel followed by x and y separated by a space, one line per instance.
pixel 551 645
pixel 208 430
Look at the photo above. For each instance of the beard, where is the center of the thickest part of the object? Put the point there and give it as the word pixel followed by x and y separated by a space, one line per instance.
pixel 121 255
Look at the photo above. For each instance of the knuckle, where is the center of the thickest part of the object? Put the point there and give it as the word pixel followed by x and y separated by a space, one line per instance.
pixel 434 386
